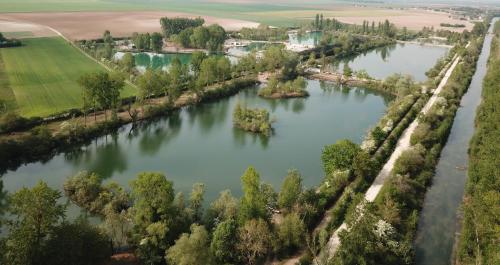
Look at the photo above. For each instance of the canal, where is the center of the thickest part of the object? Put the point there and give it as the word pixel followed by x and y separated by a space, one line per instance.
pixel 438 221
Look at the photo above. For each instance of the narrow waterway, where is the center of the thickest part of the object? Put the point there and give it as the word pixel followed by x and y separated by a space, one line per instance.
pixel 437 224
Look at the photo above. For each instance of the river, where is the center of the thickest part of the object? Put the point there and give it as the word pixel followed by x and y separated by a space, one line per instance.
pixel 438 221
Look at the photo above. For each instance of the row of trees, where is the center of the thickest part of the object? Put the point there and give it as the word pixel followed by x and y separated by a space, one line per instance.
pixel 386 28
pixel 4 42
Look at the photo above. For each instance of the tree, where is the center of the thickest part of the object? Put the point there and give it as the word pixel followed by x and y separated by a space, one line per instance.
pixel 107 38
pixel 156 42
pixel 36 213
pixel 347 70
pixel 339 156
pixel 363 165
pixel 192 248
pixel 223 68
pixel 200 37
pixel 224 208
pixel 290 190
pixel 83 244
pixel 291 232
pixel 196 201
pixel 83 189
pixel 128 61
pixel 196 59
pixel 224 241
pixel 253 204
pixel 103 88
pixel 254 240
pixel 152 213
pixel 410 162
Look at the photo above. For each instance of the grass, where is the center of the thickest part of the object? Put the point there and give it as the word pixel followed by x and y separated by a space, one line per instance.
pixel 43 74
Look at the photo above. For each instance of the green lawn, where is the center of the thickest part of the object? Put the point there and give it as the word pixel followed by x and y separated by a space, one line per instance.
pixel 43 74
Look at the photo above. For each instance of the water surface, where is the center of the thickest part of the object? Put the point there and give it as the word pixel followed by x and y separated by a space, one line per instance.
pixel 404 58
pixel 199 143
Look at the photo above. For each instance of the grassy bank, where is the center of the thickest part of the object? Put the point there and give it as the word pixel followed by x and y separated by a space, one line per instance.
pixel 43 75
pixel 481 225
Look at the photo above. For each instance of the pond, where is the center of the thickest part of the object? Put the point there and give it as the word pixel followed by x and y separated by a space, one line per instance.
pixel 199 143
pixel 406 58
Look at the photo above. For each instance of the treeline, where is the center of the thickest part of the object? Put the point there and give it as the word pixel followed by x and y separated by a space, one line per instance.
pixel 480 230
pixel 211 38
pixel 383 232
pixel 448 25
pixel 173 26
pixel 158 224
pixel 383 29
pixel 4 42
pixel 262 32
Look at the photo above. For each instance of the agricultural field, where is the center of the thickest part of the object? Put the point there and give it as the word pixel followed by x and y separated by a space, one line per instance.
pixel 42 76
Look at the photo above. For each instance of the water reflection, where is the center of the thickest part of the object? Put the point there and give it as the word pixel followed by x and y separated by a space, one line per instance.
pixel 199 143
pixel 409 58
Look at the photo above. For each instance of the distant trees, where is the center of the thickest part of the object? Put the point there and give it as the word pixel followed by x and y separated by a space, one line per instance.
pixel 172 26
pixel 211 38
pixel 264 32
pixel 4 42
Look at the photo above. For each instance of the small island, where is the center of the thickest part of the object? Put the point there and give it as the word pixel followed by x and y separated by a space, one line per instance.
pixel 290 89
pixel 253 120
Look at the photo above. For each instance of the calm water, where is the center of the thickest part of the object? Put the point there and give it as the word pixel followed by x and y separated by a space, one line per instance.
pixel 437 224
pixel 412 59
pixel 310 39
pixel 146 60
pixel 199 144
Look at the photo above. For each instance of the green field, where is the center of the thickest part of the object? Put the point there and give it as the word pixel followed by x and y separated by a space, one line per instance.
pixel 42 76
pixel 237 10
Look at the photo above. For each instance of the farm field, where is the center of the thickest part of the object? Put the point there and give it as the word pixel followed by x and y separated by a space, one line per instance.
pixel 43 74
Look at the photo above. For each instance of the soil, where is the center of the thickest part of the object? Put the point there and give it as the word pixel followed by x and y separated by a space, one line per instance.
pixel 91 25
pixel 414 19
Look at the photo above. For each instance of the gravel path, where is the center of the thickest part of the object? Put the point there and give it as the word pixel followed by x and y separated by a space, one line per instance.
pixel 402 145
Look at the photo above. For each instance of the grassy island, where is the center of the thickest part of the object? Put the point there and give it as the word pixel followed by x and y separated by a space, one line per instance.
pixel 289 89
pixel 253 120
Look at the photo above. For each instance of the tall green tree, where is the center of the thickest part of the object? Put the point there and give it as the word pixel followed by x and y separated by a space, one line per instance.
pixel 36 213
pixel 153 215
pixel 224 242
pixel 290 190
pixel 156 42
pixel 190 249
pixel 253 203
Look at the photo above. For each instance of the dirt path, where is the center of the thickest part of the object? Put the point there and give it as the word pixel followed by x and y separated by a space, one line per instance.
pixel 402 145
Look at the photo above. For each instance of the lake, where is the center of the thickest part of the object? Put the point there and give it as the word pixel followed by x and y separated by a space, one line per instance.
pixel 199 143
pixel 405 58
